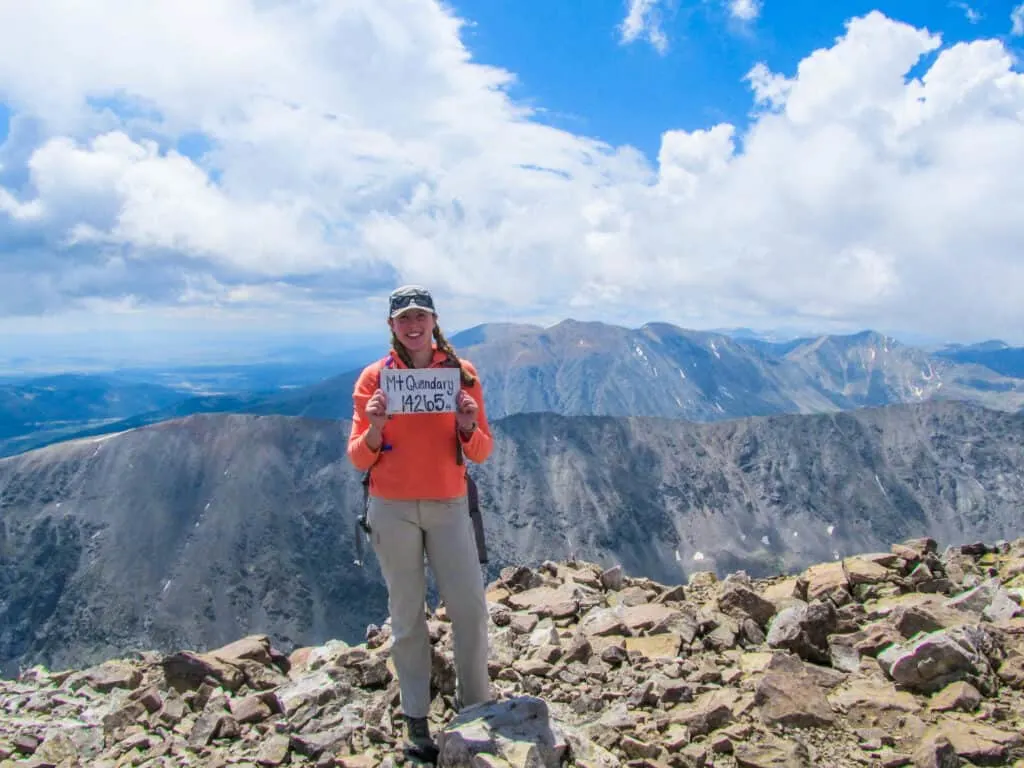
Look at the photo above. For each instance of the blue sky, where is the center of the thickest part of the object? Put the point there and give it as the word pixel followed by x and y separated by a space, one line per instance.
pixel 225 165
pixel 570 62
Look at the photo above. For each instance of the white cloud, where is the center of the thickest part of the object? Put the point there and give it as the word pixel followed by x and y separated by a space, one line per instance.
pixel 354 144
pixel 127 193
pixel 18 211
pixel 745 10
pixel 643 21
pixel 1017 20
pixel 973 14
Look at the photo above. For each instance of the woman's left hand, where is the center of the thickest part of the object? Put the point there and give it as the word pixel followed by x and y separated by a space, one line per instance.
pixel 465 411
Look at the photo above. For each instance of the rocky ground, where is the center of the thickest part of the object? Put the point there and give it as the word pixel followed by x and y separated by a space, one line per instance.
pixel 907 657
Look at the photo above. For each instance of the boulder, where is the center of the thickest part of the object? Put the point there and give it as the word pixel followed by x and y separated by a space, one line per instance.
pixel 804 629
pixel 519 732
pixel 937 659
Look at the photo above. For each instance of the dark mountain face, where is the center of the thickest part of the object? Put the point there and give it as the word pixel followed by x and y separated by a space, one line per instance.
pixel 184 530
pixel 196 531
pixel 765 495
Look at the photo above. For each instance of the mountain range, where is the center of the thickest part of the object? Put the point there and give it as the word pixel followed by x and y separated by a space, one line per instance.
pixel 591 368
pixel 662 370
pixel 577 368
pixel 193 531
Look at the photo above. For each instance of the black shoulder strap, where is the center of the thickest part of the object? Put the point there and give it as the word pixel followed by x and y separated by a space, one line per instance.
pixel 362 525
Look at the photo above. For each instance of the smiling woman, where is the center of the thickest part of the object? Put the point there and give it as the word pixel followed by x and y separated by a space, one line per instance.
pixel 419 503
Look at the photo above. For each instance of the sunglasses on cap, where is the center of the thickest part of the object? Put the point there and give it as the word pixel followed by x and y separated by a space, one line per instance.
pixel 411 297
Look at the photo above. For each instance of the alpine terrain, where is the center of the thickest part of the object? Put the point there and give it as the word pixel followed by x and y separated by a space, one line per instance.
pixel 194 531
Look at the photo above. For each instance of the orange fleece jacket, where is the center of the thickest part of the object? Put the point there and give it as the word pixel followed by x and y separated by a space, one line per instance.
pixel 417 458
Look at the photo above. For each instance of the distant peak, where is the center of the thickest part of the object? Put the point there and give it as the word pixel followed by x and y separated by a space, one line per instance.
pixel 572 322
pixel 867 337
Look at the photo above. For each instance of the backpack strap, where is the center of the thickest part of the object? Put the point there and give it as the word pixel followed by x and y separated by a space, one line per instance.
pixel 474 515
pixel 472 493
pixel 362 525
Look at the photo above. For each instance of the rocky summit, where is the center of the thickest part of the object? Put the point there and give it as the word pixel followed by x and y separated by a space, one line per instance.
pixel 905 657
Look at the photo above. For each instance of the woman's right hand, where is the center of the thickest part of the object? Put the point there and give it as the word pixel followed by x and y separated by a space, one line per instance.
pixel 377 409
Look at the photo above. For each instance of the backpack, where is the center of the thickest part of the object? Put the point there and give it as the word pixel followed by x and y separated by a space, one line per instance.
pixel 362 525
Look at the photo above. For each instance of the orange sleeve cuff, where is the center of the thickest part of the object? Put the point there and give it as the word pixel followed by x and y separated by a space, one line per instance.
pixel 360 454
pixel 478 447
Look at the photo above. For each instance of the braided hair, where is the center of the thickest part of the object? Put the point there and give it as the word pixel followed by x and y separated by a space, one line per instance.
pixel 442 344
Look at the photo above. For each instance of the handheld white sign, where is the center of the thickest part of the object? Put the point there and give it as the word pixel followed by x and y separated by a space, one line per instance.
pixel 420 390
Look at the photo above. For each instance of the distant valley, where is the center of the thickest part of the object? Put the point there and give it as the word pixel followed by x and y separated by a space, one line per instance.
pixel 41 410
pixel 195 531
pixel 44 410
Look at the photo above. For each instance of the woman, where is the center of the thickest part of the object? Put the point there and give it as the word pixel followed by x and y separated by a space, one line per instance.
pixel 418 503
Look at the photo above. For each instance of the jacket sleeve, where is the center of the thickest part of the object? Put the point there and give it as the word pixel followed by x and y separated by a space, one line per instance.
pixel 359 453
pixel 479 445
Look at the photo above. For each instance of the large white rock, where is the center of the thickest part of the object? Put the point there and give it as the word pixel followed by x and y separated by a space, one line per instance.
pixel 518 731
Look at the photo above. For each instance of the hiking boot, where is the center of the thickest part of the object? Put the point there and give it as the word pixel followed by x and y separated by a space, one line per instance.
pixel 418 741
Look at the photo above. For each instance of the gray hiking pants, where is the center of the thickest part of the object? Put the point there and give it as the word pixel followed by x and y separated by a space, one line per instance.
pixel 400 532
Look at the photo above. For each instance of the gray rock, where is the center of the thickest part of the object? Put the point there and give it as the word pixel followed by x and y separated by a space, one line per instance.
pixel 774 753
pixel 977 599
pixel 844 656
pixel 804 629
pixel 1002 607
pixel 518 731
pixel 940 658
pixel 791 700
pixel 740 602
